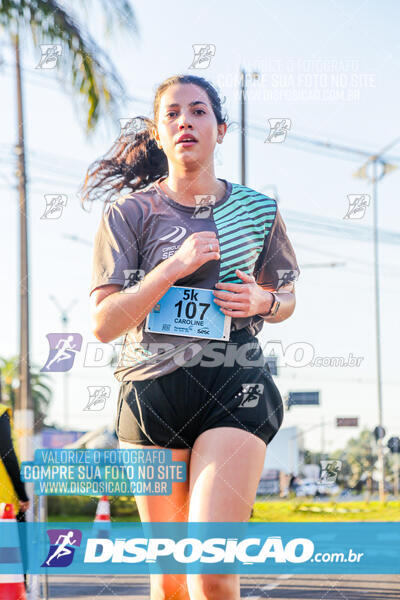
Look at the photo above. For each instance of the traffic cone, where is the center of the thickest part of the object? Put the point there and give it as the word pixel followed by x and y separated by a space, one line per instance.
pixel 12 587
pixel 103 517
pixel 103 510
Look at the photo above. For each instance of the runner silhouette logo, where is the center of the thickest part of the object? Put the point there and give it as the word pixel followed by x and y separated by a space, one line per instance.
pixel 63 347
pixel 251 394
pixel 62 547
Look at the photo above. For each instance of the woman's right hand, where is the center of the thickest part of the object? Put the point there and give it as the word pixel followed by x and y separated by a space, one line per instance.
pixel 195 251
pixel 23 506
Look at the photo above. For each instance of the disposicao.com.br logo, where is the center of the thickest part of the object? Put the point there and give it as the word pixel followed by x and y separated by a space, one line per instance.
pixel 212 550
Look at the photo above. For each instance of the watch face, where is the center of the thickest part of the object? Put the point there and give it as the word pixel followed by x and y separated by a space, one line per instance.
pixel 275 307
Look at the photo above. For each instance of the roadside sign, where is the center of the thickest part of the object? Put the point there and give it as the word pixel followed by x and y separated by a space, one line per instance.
pixel 303 398
pixel 346 421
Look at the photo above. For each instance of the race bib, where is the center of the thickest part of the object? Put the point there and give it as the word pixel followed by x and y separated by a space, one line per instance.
pixel 191 312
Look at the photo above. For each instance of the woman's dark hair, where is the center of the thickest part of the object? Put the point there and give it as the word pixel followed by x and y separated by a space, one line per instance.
pixel 134 160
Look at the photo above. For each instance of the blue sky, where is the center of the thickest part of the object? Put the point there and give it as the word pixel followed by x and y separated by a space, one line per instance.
pixel 333 69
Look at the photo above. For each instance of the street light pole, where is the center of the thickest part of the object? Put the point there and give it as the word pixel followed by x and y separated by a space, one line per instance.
pixel 396 474
pixel 243 75
pixel 242 126
pixel 378 328
pixel 373 162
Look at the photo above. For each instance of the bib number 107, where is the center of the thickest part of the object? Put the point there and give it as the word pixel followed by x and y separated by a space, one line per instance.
pixel 191 307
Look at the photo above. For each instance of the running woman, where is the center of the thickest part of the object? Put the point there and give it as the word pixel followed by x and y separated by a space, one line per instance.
pixel 193 380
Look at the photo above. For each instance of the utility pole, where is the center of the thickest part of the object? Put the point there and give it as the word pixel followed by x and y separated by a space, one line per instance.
pixel 24 410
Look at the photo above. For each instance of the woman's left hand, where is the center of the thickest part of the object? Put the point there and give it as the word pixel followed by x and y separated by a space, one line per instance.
pixel 247 299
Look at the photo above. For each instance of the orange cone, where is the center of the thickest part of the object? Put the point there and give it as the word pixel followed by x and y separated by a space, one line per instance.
pixel 12 587
pixel 103 517
pixel 103 510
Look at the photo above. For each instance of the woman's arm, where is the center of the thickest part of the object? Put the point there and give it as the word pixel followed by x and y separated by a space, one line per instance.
pixel 114 310
pixel 9 458
pixel 287 299
pixel 250 298
pixel 276 271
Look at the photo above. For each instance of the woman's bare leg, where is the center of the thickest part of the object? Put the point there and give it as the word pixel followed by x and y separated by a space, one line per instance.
pixel 225 470
pixel 174 508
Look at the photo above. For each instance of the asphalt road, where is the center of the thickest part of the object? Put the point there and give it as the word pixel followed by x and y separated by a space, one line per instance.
pixel 277 587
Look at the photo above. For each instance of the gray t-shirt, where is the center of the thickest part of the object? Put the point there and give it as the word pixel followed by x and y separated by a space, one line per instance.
pixel 140 230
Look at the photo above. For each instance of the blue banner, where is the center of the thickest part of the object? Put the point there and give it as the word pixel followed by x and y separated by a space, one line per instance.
pixel 251 548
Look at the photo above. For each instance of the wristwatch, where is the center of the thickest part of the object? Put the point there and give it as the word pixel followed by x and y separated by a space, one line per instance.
pixel 274 307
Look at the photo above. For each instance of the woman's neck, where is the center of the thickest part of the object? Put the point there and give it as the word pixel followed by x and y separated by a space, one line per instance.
pixel 184 188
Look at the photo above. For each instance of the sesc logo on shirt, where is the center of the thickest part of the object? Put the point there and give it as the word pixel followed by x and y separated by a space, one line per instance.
pixel 178 232
pixel 175 235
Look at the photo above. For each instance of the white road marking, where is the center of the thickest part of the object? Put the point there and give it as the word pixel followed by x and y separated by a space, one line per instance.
pixel 270 586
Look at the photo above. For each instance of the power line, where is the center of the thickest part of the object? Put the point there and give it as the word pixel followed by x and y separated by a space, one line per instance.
pixel 309 144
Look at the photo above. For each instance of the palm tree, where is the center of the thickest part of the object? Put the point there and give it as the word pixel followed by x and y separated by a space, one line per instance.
pixel 91 77
pixel 88 71
pixel 41 392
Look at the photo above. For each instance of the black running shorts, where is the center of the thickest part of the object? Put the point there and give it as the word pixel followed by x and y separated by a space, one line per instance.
pixel 172 410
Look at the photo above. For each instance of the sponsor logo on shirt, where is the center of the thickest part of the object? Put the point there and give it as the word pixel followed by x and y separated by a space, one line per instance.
pixel 177 233
pixel 169 251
